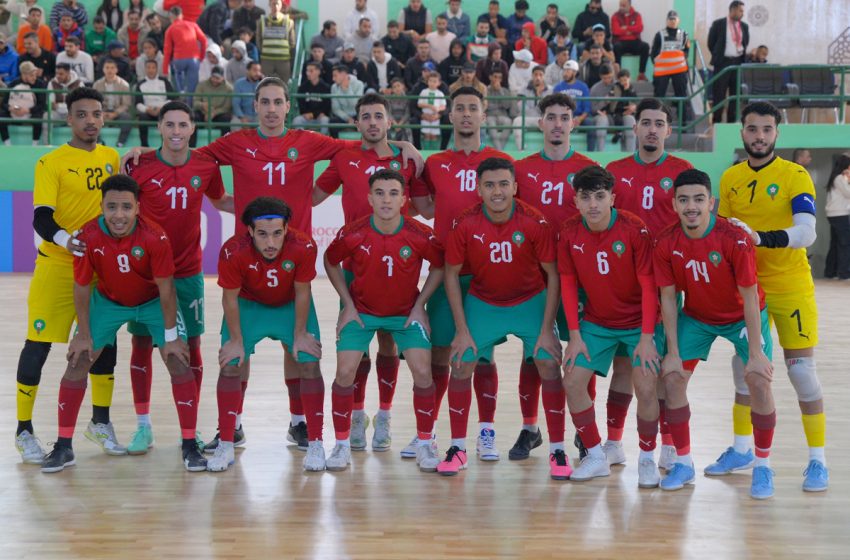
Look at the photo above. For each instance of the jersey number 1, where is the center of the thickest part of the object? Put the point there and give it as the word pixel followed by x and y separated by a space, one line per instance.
pixel 270 168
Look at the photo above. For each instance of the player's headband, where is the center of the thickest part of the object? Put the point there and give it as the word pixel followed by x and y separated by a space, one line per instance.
pixel 269 217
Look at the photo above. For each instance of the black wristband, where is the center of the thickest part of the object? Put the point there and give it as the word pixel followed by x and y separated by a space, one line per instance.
pixel 773 239
pixel 44 224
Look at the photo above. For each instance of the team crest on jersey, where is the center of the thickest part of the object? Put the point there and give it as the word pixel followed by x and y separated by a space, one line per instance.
pixel 109 168
pixel 518 237
pixel 772 190
pixel 570 178
pixel 287 265
pixel 666 183
pixel 292 154
pixel 137 252
pixel 39 325
pixel 619 248
pixel 395 166
pixel 715 258
pixel 195 182
pixel 405 252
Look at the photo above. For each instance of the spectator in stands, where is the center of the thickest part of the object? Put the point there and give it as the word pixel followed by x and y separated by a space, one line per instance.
pixel 77 11
pixel 314 105
pixel 317 55
pixel 497 24
pixel 398 44
pixel 327 37
pixel 150 51
pixel 212 58
pixel 358 12
pixel 151 94
pixel 451 66
pixel 5 18
pixel 758 55
pixel 237 67
pixel 67 28
pixel 489 64
pixel 534 44
pixel 34 24
pixel 247 16
pixel 22 103
pixel 243 105
pixel 185 46
pixel 8 62
pixel 191 8
pixel 619 113
pixel 356 68
pixel 343 108
pixel 247 37
pixel 626 27
pixel 413 67
pixel 516 20
pixel 383 69
pixel 216 109
pixel 217 20
pixel 728 38
pixel 21 9
pixel 468 79
pixel 600 114
pixel 116 99
pixel 589 69
pixel 78 60
pixel 440 39
pixel 555 71
pixel 477 45
pixel 598 38
pixel 670 58
pixel 802 157
pixel 561 39
pixel 576 89
pixel 838 214
pixel 500 112
pixel 550 23
pixel 276 41
pixel 520 72
pixel 44 60
pixel 155 29
pixel 416 112
pixel 64 82
pixel 458 21
pixel 98 38
pixel 110 11
pixel 587 20
pixel 133 34
pixel 415 20
pixel 400 111
pixel 432 103
pixel 122 63
pixel 527 112
pixel 362 40
pixel 137 6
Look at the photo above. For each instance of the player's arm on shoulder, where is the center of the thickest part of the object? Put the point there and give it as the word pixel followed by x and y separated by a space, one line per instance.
pixel 224 204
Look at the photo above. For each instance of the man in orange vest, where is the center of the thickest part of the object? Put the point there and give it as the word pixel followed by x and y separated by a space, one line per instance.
pixel 670 58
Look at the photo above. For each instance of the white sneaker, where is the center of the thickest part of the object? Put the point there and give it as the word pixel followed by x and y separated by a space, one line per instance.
pixel 648 475
pixel 222 458
pixel 667 458
pixel 411 450
pixel 357 436
pixel 426 458
pixel 29 446
pixel 104 436
pixel 339 459
pixel 591 467
pixel 315 459
pixel 382 438
pixel 614 451
pixel 486 446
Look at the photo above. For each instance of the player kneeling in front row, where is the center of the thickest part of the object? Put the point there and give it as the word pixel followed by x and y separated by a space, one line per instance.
pixel 509 247
pixel 265 275
pixel 386 251
pixel 134 265
pixel 714 264
pixel 608 252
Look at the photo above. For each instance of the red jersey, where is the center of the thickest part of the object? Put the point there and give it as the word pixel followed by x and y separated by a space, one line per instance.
pixel 646 189
pixel 386 267
pixel 607 265
pixel 548 184
pixel 352 169
pixel 708 269
pixel 172 197
pixel 241 266
pixel 125 266
pixel 281 167
pixel 504 259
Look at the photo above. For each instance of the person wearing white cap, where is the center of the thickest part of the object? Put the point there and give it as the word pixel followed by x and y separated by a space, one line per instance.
pixel 520 73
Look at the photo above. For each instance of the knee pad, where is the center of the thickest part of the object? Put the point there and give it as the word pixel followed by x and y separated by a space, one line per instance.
pixel 32 361
pixel 804 378
pixel 106 362
pixel 738 374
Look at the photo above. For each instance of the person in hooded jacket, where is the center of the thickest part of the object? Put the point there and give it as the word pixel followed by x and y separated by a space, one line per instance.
pixel 531 42
pixel 237 66
pixel 382 69
pixel 451 66
pixel 211 59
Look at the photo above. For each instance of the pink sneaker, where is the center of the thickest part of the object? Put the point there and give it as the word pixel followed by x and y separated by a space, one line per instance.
pixel 455 461
pixel 559 465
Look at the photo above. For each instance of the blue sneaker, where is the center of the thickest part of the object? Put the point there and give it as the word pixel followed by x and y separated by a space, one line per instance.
pixel 730 460
pixel 817 477
pixel 762 485
pixel 678 476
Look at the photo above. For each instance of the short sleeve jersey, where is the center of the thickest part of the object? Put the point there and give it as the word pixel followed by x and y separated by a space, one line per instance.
pixel 547 184
pixel 272 283
pixel 708 270
pixel 646 189
pixel 607 265
pixel 125 266
pixel 386 267
pixel 504 259
pixel 68 180
pixel 766 199
pixel 172 196
pixel 281 167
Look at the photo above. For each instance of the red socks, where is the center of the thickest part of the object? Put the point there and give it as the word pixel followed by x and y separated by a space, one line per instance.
pixel 196 364
pixel 141 373
pixel 342 400
pixel 485 381
pixel 387 369
pixel 313 399
pixel 585 424
pixel 763 427
pixel 360 383
pixel 229 395
pixel 663 423
pixel 554 408
pixel 529 392
pixel 647 433
pixel 186 398
pixel 293 387
pixel 680 431
pixel 423 406
pixel 440 375
pixel 460 399
pixel 71 395
pixel 618 409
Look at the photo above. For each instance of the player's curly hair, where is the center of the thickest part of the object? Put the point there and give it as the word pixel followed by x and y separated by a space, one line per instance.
pixel 593 178
pixel 761 108
pixel 80 94
pixel 120 183
pixel 265 206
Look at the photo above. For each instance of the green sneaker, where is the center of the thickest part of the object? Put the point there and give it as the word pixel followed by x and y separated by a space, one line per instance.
pixel 199 441
pixel 142 440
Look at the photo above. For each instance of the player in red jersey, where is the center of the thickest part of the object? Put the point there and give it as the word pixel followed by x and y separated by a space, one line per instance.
pixel 498 239
pixel 608 253
pixel 134 265
pixel 265 276
pixel 353 168
pixel 173 182
pixel 544 180
pixel 714 263
pixel 447 188
pixel 385 252
pixel 643 185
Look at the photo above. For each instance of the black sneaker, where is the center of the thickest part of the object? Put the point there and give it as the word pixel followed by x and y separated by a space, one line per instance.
pixel 238 441
pixel 298 435
pixel 192 458
pixel 524 444
pixel 582 450
pixel 58 459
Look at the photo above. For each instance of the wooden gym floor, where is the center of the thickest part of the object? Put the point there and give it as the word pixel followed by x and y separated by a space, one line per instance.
pixel 383 507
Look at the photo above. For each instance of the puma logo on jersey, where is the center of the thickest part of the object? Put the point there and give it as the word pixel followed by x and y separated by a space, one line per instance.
pixel 479 237
pixel 186 403
pixel 366 249
pixel 309 246
pixel 355 164
pixel 157 182
pixel 580 429
pixel 252 152
pixel 227 253
pixel 425 412
pixel 255 266
pixel 99 250
pixel 524 397
pixel 61 406
pixel 742 242
pixel 734 190
pixel 456 411
pixel 645 443
pixel 233 412
pixel 534 176
pixel 390 384
pixel 488 396
pixel 612 421
pixel 143 369
pixel 556 411
pixel 341 415
pixel 627 181
pixel 579 248
pixel 163 237
pixel 74 171
pixel 446 166
pixel 678 254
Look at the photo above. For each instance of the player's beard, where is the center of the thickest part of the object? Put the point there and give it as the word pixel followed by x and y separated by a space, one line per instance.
pixel 759 155
pixel 649 148
pixel 556 142
pixel 466 134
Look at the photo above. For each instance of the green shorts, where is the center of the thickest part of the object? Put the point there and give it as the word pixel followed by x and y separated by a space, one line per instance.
pixel 490 325
pixel 603 344
pixel 440 313
pixel 561 317
pixel 106 317
pixel 190 302
pixel 259 321
pixel 696 337
pixel 353 337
